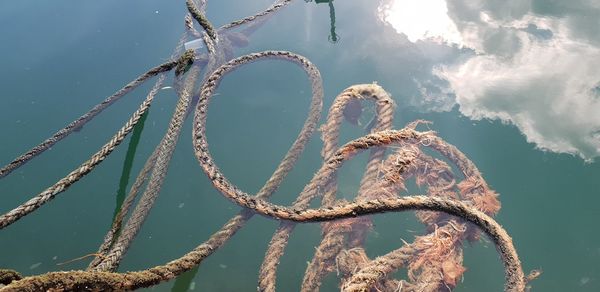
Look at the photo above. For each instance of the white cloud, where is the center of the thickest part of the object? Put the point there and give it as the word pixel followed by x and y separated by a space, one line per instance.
pixel 536 65
pixel 421 20
pixel 549 90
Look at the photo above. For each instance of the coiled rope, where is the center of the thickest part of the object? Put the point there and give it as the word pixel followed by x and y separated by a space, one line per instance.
pixel 376 193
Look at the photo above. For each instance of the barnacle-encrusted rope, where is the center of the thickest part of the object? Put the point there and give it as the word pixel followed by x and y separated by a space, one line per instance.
pixel 87 166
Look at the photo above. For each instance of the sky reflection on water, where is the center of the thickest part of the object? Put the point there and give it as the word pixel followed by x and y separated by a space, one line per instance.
pixel 534 64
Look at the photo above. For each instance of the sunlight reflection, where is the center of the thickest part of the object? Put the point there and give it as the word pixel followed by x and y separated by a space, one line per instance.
pixel 421 20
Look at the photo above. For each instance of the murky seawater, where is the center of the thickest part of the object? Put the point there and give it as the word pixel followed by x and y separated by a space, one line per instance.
pixel 61 58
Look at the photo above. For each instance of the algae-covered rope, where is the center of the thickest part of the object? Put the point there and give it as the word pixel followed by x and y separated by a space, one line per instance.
pixel 81 121
pixel 199 16
pixel 334 238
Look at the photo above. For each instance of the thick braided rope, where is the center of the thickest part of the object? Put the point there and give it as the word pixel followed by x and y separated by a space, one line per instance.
pixel 330 130
pixel 281 171
pixel 81 171
pixel 316 105
pixel 325 175
pixel 333 241
pixel 372 272
pixel 514 273
pixel 132 280
pixel 515 280
pixel 429 278
pixel 199 16
pixel 81 121
pixel 396 170
pixel 349 260
pixel 330 137
pixel 157 176
pixel 234 224
pixel 322 262
pixel 310 124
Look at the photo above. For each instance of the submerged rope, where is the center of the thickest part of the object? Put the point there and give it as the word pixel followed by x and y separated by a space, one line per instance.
pixel 198 15
pixel 515 280
pixel 64 183
pixel 85 118
pixel 345 224
pixel 158 174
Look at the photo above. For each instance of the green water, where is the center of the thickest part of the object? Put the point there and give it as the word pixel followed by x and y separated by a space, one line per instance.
pixel 61 58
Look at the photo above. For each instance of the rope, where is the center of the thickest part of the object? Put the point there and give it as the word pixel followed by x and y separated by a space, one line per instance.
pixel 434 260
pixel 332 243
pixel 513 272
pixel 273 8
pixel 84 119
pixel 157 176
pixel 515 280
pixel 198 15
pixel 64 183
pixel 285 166
pixel 142 177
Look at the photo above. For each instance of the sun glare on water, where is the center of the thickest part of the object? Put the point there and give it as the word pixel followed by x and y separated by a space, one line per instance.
pixel 421 20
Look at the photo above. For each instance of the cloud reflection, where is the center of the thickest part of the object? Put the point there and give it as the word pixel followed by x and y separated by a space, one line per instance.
pixel 421 20
pixel 535 65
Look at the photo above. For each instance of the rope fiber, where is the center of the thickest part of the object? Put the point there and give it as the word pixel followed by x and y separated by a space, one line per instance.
pixel 451 212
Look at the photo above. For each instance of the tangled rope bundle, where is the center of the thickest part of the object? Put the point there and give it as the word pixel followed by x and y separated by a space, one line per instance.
pixel 452 212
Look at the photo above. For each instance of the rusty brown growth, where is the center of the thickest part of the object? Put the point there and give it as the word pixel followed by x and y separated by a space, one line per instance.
pixel 456 206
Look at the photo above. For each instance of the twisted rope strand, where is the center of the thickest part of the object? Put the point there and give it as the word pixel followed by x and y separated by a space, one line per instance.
pixel 64 183
pixel 85 118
